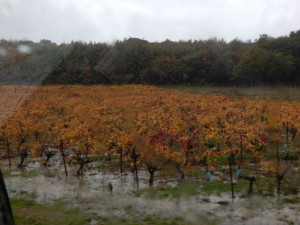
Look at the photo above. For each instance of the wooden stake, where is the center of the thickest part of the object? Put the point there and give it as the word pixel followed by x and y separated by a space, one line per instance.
pixel 231 181
pixel 287 133
pixel 241 147
pixel 121 161
pixel 8 153
pixel 63 155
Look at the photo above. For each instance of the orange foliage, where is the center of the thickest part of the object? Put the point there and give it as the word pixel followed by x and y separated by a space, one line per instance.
pixel 177 127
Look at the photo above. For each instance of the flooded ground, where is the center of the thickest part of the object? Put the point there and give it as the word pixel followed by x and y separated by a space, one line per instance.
pixel 90 194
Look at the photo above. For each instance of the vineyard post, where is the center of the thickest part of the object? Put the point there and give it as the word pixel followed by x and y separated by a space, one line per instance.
pixel 287 133
pixel 134 157
pixel 121 161
pixel 277 169
pixel 230 170
pixel 241 148
pixel 8 153
pixel 63 155
pixel 151 170
pixel 277 152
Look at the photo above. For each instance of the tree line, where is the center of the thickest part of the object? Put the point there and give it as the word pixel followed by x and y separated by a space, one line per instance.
pixel 265 61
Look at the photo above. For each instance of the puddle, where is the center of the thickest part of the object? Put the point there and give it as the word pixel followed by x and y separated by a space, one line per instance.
pixel 90 193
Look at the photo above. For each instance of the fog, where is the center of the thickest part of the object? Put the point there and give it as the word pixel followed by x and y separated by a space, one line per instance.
pixel 106 21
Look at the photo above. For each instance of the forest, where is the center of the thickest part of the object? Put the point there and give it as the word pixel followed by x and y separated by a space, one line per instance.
pixel 266 61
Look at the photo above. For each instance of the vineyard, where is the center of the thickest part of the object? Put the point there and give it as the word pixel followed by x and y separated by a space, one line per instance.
pixel 218 143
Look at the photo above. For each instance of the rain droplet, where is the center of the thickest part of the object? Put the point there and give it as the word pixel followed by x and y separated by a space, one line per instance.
pixel 24 49
pixel 3 52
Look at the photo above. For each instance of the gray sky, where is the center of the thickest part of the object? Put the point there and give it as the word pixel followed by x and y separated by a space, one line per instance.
pixel 152 20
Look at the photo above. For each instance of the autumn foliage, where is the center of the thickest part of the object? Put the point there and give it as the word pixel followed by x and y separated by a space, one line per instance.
pixel 145 125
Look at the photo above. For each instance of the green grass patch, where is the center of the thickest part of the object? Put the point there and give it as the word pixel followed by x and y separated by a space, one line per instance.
pixel 185 188
pixel 216 187
pixel 266 185
pixel 144 220
pixel 21 202
pixel 27 212
pixel 30 173
pixel 22 172
pixel 295 200
pixel 163 221
pixel 113 165
pixel 30 213
pixel 6 173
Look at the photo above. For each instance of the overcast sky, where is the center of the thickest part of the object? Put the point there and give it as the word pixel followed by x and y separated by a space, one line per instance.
pixel 152 20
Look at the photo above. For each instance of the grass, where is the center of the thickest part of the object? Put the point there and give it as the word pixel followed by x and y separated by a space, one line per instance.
pixel 277 93
pixel 112 165
pixel 16 172
pixel 185 188
pixel 146 220
pixel 163 221
pixel 27 212
pixel 216 187
pixel 30 173
pixel 190 188
pixel 295 200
